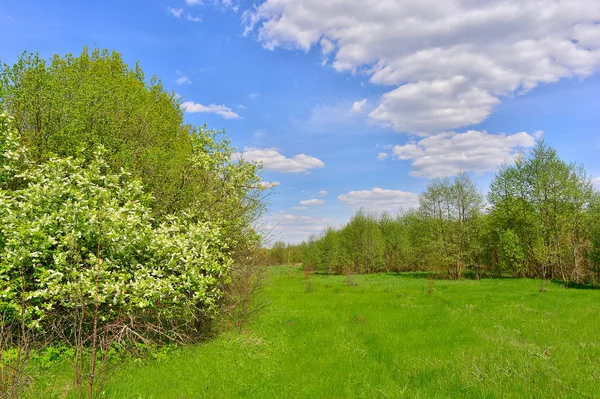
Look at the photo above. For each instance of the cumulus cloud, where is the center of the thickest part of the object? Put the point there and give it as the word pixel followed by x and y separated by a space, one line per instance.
pixel 314 201
pixel 447 153
pixel 225 112
pixel 323 193
pixel 358 106
pixel 382 156
pixel 293 228
pixel 380 200
pixel 447 63
pixel 272 159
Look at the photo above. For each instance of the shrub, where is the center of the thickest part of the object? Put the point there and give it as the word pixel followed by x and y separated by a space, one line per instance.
pixel 77 238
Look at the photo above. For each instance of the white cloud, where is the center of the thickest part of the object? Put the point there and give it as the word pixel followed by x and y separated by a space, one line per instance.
pixel 272 159
pixel 182 79
pixel 358 105
pixel 323 193
pixel 380 200
pixel 268 184
pixel 596 182
pixel 382 156
pixel 448 63
pixel 430 106
pixel 447 153
pixel 253 96
pixel 176 12
pixel 193 2
pixel 225 112
pixel 293 228
pixel 313 201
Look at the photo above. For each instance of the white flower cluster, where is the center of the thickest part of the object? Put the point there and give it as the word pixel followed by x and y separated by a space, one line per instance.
pixel 74 234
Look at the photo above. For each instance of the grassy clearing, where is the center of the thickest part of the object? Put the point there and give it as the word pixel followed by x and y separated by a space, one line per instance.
pixel 387 337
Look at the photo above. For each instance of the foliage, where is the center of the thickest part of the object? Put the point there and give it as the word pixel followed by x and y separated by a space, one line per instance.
pixel 72 104
pixel 76 228
pixel 119 224
pixel 511 254
pixel 546 203
pixel 83 262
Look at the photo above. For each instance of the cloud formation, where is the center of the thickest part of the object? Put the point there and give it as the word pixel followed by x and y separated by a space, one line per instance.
pixel 447 153
pixel 179 12
pixel 379 200
pixel 314 201
pixel 447 63
pixel 225 112
pixel 272 159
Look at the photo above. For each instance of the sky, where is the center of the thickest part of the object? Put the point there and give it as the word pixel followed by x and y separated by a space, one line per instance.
pixel 352 103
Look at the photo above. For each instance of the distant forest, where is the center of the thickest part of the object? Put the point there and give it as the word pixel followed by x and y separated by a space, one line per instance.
pixel 541 219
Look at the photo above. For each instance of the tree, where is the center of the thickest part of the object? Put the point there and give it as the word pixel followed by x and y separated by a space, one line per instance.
pixel 70 105
pixel 452 206
pixel 544 201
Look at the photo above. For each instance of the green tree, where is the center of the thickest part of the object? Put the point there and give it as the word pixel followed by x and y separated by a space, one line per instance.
pixel 69 105
pixel 545 202
pixel 511 254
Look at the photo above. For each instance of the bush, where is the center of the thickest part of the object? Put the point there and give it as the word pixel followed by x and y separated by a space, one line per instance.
pixel 77 238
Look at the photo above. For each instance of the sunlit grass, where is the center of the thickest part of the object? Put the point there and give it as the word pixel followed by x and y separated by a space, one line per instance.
pixel 387 336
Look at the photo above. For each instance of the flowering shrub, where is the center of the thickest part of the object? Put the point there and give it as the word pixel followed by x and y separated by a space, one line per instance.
pixel 78 239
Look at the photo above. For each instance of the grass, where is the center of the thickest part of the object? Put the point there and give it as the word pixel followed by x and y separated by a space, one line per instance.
pixel 387 337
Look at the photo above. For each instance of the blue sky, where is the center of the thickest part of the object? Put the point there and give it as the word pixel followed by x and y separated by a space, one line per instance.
pixel 352 103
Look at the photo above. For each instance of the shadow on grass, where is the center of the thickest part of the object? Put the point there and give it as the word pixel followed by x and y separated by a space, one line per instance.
pixel 578 286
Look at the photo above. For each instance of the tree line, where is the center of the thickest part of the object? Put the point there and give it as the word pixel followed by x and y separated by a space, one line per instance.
pixel 541 219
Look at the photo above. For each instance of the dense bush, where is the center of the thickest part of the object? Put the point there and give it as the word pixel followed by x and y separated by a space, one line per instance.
pixel 119 224
pixel 77 236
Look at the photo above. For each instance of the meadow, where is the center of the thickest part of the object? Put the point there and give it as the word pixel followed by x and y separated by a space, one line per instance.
pixel 384 336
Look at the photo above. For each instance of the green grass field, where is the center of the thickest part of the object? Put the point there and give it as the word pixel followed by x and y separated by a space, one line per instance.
pixel 386 337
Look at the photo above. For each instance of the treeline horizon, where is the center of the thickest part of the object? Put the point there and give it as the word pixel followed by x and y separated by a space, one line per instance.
pixel 541 220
